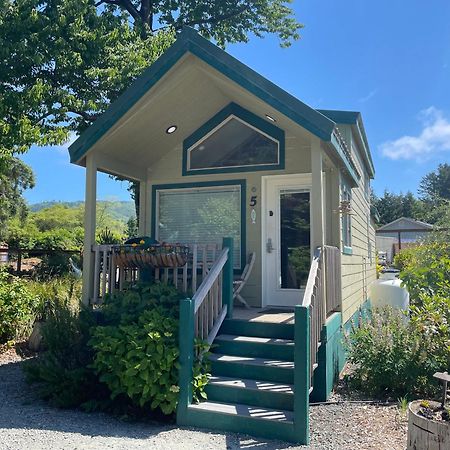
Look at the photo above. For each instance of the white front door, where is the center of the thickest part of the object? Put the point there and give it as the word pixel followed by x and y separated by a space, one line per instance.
pixel 286 238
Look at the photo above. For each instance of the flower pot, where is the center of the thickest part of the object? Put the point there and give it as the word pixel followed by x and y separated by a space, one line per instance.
pixel 424 433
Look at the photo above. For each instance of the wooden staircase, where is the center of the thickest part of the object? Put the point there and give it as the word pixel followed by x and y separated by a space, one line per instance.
pixel 251 389
pixel 261 371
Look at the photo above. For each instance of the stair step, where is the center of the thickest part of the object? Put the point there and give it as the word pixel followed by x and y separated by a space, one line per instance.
pixel 271 423
pixel 251 392
pixel 253 412
pixel 256 385
pixel 252 368
pixel 258 329
pixel 253 346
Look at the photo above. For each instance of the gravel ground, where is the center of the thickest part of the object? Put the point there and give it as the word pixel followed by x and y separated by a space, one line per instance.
pixel 27 423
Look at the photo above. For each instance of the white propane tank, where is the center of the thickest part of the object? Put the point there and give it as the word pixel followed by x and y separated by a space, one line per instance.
pixel 387 291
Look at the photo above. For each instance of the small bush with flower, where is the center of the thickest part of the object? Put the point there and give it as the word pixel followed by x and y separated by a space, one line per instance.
pixel 395 356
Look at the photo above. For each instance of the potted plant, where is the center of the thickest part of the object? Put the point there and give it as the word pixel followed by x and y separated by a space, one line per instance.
pixel 429 421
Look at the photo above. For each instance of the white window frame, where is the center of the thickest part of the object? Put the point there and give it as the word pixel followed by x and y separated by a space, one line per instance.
pixel 346 220
pixel 218 168
pixel 242 229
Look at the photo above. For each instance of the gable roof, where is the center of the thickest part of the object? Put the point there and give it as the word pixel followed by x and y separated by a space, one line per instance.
pixel 189 41
pixel 354 119
pixel 415 224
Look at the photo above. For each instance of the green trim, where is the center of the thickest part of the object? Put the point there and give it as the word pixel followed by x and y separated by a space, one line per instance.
pixel 352 118
pixel 351 171
pixel 330 358
pixel 186 358
pixel 302 359
pixel 248 117
pixel 190 41
pixel 201 184
pixel 347 250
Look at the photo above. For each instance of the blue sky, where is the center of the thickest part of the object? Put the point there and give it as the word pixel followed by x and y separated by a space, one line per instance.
pixel 388 59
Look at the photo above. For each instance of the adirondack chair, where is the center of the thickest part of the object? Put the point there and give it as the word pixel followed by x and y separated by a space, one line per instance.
pixel 240 283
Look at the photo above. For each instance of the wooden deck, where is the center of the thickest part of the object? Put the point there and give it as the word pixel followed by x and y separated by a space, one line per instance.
pixel 268 314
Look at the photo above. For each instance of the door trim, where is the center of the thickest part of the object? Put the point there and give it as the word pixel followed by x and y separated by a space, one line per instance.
pixel 300 180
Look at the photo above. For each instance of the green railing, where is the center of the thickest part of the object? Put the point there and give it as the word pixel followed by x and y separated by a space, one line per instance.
pixel 201 317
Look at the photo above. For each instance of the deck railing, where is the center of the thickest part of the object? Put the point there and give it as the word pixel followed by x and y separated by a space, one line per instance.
pixel 201 317
pixel 110 276
pixel 332 272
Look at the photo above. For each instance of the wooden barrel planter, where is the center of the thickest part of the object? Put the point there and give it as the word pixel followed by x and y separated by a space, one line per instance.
pixel 425 433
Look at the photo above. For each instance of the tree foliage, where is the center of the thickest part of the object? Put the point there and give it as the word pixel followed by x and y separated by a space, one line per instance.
pixel 435 186
pixel 432 205
pixel 64 61
pixel 15 177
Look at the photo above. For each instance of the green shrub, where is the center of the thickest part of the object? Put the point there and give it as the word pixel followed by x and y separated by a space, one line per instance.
pixel 403 258
pixel 136 350
pixel 427 270
pixel 18 306
pixel 396 357
pixel 59 290
pixel 62 372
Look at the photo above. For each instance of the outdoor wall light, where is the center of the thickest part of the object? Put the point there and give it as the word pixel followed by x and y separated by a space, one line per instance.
pixel 270 118
pixel 171 129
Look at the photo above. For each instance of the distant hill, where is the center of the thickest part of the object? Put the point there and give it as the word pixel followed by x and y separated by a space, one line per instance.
pixel 119 210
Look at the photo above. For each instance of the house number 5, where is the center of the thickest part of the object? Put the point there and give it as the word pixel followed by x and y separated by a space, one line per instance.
pixel 253 200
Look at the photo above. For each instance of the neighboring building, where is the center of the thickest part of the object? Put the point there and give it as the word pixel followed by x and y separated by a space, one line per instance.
pixel 401 233
pixel 219 151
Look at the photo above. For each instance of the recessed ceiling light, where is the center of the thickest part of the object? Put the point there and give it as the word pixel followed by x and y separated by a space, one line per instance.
pixel 171 129
pixel 270 118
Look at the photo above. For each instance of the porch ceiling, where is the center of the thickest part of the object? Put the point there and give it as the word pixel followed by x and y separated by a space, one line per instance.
pixel 187 96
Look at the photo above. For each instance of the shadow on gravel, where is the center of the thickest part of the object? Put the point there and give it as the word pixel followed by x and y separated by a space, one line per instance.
pixel 20 408
pixel 250 443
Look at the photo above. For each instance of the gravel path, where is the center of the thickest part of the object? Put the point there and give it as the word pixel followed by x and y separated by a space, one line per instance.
pixel 26 423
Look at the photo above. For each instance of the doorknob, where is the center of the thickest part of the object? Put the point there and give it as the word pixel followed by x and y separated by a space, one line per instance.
pixel 269 246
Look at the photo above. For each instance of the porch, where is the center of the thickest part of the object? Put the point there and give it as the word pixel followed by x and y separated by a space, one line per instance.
pixel 263 360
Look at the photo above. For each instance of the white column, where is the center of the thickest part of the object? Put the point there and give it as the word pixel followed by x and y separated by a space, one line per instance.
pixel 143 208
pixel 317 196
pixel 90 210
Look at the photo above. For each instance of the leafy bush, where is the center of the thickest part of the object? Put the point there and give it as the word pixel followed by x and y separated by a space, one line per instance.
pixel 395 357
pixel 136 350
pixel 427 270
pixel 62 372
pixel 18 306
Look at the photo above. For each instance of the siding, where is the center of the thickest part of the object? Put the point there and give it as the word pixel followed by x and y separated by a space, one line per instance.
pixel 358 269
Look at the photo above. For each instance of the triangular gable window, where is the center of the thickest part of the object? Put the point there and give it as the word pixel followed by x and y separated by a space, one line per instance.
pixel 234 145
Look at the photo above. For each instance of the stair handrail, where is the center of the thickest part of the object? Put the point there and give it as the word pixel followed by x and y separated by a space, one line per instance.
pixel 201 317
pixel 308 323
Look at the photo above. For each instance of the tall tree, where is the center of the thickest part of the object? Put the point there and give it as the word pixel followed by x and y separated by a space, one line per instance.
pixel 62 62
pixel 435 186
pixel 15 177
pixel 393 206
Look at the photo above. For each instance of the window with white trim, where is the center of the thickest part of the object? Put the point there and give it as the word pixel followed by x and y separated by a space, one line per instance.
pixel 233 144
pixel 200 215
pixel 346 217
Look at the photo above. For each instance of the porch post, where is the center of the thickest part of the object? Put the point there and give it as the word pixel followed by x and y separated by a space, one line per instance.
pixel 90 209
pixel 317 196
pixel 143 207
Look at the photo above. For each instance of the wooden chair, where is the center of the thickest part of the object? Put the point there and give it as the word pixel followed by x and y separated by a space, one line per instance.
pixel 240 283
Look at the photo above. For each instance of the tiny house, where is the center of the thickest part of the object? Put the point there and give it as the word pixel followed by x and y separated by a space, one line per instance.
pixel 219 151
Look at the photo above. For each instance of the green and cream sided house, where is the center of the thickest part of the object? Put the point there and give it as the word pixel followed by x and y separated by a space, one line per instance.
pixel 233 166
